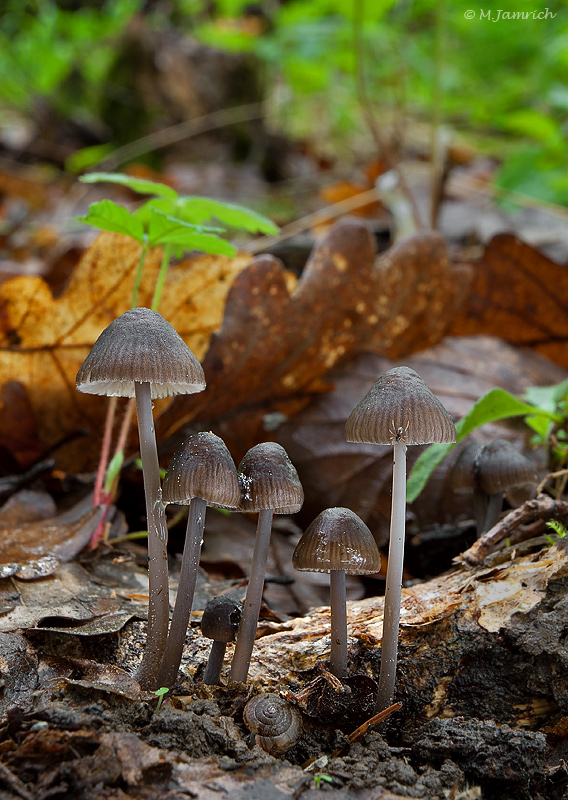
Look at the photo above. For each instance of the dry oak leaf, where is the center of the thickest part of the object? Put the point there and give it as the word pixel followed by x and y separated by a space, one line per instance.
pixel 43 340
pixel 276 346
pixel 520 295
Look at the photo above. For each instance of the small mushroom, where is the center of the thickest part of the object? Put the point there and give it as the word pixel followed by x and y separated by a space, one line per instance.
pixel 269 485
pixel 398 410
pixel 275 723
pixel 201 473
pixel 141 355
pixel 220 622
pixel 340 543
pixel 491 471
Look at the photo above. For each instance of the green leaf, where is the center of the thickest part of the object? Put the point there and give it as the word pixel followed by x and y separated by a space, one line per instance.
pixel 202 209
pixel 166 230
pixel 109 216
pixel 496 404
pixel 423 467
pixel 139 185
pixel 547 398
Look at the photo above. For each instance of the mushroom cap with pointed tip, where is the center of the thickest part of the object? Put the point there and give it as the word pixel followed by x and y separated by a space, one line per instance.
pixel 400 404
pixel 269 480
pixel 202 467
pixel 337 539
pixel 501 466
pixel 140 346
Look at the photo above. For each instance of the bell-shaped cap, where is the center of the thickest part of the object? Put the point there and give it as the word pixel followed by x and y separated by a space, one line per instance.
pixel 337 539
pixel 140 346
pixel 221 618
pixel 501 466
pixel 269 480
pixel 202 467
pixel 400 407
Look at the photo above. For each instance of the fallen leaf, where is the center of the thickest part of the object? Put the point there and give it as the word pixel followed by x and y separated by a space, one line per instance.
pixel 43 340
pixel 33 549
pixel 520 295
pixel 276 346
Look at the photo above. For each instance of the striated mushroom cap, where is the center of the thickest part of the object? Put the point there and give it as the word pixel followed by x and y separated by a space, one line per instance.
pixel 400 406
pixel 140 346
pixel 501 467
pixel 202 467
pixel 337 539
pixel 269 480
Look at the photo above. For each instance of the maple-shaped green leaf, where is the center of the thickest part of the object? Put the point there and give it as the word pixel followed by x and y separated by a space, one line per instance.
pixel 109 216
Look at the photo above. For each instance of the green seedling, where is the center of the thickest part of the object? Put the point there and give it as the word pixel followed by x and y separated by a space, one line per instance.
pixel 172 221
pixel 545 412
pixel 559 529
pixel 321 777
pixel 160 693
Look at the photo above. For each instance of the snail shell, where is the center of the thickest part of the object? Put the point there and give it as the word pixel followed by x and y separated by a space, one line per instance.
pixel 276 724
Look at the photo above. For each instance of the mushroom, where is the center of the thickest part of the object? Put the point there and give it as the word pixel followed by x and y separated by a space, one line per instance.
pixel 492 471
pixel 201 473
pixel 140 355
pixel 270 485
pixel 340 543
pixel 220 622
pixel 398 410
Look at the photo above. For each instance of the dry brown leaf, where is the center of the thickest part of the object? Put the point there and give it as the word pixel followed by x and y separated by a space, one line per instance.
pixel 520 295
pixel 43 341
pixel 276 347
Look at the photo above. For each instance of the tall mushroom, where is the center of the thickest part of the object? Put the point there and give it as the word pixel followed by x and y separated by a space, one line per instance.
pixel 398 410
pixel 141 355
pixel 200 474
pixel 270 485
pixel 340 543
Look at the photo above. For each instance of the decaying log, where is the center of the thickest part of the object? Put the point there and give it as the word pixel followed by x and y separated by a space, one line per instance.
pixel 485 643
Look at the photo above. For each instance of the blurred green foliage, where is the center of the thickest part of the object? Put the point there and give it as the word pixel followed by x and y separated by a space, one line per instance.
pixel 502 81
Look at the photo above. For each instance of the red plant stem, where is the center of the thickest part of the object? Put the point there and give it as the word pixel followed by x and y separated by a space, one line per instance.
pixel 105 450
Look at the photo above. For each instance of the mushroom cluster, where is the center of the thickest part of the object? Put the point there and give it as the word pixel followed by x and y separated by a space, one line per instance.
pixel 140 355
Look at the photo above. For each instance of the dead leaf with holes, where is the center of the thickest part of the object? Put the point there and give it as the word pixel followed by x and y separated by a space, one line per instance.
pixel 519 295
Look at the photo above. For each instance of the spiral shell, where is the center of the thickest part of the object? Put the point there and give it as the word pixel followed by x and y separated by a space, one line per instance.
pixel 276 724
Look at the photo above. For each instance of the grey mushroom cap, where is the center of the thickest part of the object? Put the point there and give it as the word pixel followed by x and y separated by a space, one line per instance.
pixel 400 406
pixel 140 346
pixel 501 467
pixel 269 480
pixel 221 618
pixel 337 539
pixel 202 467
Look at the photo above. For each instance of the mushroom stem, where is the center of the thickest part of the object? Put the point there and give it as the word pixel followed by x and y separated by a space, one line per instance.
pixel 158 603
pixel 214 664
pixel 494 506
pixel 186 589
pixel 393 590
pixel 251 610
pixel 338 657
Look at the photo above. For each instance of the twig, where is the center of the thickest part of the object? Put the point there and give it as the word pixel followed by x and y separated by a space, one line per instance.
pixel 11 780
pixel 543 507
pixel 323 215
pixel 380 717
